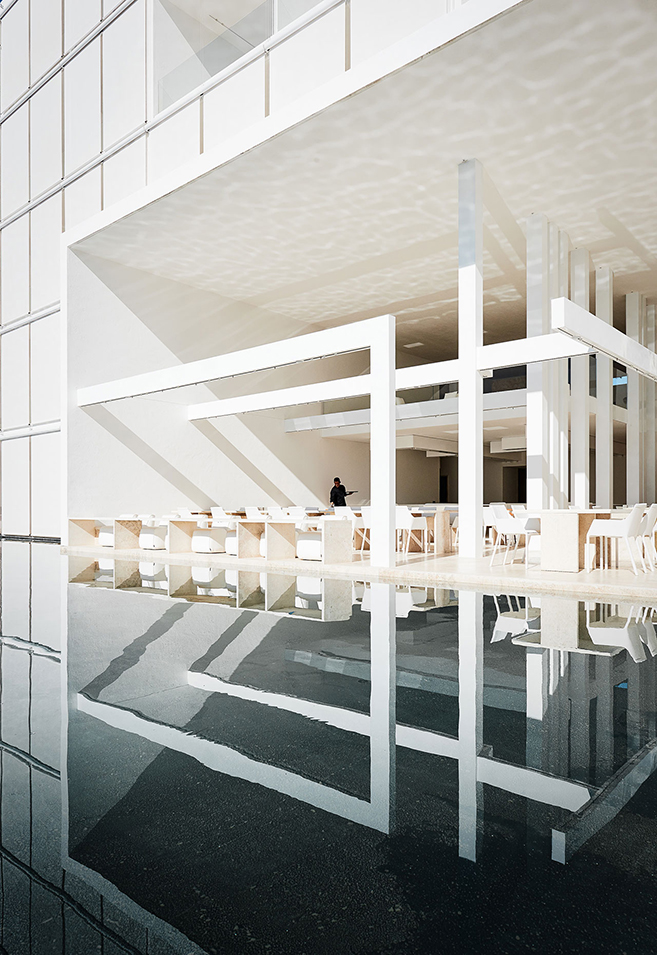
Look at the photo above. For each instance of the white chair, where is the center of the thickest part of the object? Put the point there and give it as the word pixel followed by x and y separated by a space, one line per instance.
pixel 414 527
pixel 153 534
pixel 297 513
pixel 647 536
pixel 626 530
pixel 105 532
pixel 208 538
pixel 276 513
pixel 366 517
pixel 519 510
pixel 512 529
pixel 255 514
pixel 357 523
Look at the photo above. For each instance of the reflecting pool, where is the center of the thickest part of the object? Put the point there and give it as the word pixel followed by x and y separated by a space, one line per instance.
pixel 196 759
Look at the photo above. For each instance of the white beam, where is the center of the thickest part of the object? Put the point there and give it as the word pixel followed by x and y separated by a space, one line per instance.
pixel 470 326
pixel 526 351
pixel 634 444
pixel 288 351
pixel 283 397
pixel 435 373
pixel 569 318
pixel 580 268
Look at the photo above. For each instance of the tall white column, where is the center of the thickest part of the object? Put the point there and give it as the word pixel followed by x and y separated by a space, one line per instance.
pixel 650 423
pixel 471 392
pixel 604 434
pixel 634 444
pixel 563 386
pixel 537 374
pixel 580 268
pixel 383 491
pixel 471 718
pixel 383 706
pixel 554 381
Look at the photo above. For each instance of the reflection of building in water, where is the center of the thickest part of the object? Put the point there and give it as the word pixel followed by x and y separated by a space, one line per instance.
pixel 50 903
pixel 562 727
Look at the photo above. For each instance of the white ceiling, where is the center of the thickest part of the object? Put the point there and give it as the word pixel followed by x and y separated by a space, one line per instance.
pixel 353 212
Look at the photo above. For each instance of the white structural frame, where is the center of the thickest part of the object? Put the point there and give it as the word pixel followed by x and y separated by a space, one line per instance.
pixel 375 334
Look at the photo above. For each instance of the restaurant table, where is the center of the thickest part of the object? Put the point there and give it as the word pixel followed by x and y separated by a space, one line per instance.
pixel 563 538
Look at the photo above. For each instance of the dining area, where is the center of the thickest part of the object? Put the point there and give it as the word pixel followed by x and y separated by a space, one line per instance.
pixel 573 540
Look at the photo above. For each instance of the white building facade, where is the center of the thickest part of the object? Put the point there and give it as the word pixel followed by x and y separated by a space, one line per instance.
pixel 232 174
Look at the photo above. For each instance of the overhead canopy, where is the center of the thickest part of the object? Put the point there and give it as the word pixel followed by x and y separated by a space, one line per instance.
pixel 353 213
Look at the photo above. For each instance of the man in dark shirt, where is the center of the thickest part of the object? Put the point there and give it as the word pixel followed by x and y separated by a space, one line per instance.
pixel 339 493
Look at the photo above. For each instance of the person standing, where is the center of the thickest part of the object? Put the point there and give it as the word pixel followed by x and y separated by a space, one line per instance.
pixel 339 493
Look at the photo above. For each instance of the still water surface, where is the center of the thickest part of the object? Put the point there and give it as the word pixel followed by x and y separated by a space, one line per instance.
pixel 204 761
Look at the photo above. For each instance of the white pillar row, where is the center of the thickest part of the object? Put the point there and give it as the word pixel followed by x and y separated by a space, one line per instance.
pixel 634 443
pixel 471 392
pixel 580 268
pixel 563 394
pixel 604 421
pixel 538 375
pixel 649 443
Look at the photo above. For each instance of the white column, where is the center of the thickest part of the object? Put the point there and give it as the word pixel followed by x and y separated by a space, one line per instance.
pixel 649 440
pixel 634 444
pixel 604 435
pixel 471 718
pixel 563 387
pixel 537 374
pixel 383 708
pixel 554 407
pixel 383 492
pixel 471 397
pixel 580 268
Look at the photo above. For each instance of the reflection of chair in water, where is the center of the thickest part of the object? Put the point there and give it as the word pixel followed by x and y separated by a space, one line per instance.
pixel 513 623
pixel 309 593
pixel 153 576
pixel 406 599
pixel 618 631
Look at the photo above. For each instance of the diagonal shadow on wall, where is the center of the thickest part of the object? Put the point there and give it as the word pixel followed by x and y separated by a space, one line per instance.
pixel 148 455
pixel 243 463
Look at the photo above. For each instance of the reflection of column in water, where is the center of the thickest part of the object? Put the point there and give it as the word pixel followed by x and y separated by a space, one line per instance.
pixel 536 668
pixel 557 715
pixel 471 709
pixel 640 702
pixel 604 719
pixel 580 707
pixel 383 705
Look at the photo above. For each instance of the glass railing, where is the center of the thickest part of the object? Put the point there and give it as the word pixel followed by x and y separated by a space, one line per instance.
pixel 234 39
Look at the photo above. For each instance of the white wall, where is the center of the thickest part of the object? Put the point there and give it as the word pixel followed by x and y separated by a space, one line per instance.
pixel 93 101
pixel 147 457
